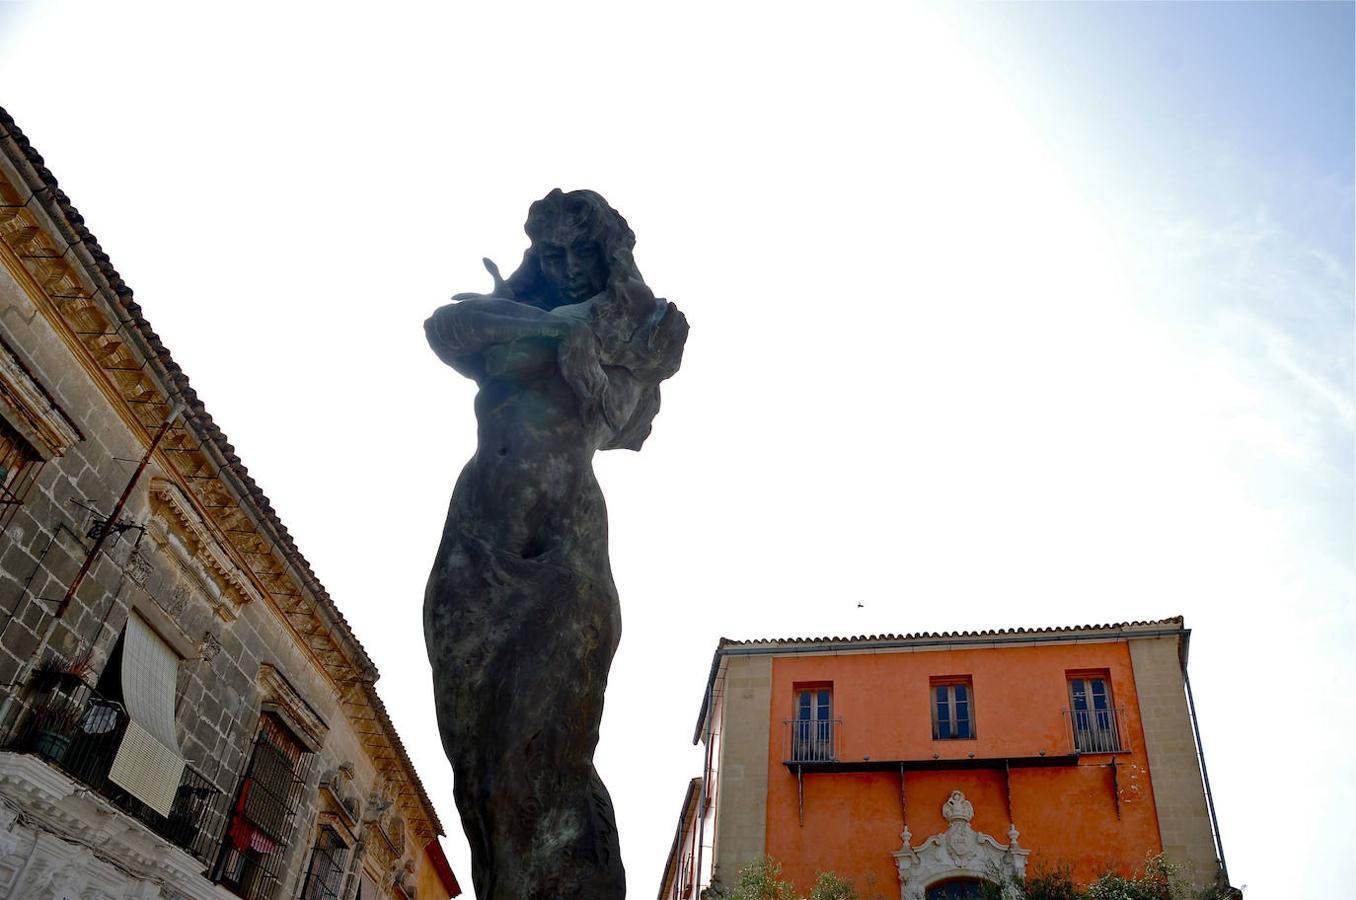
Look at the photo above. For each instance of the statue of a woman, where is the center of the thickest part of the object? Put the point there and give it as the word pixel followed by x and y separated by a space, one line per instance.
pixel 521 617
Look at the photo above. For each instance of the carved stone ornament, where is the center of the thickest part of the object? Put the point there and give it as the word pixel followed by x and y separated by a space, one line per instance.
pixel 186 540
pixel 138 568
pixel 337 783
pixel 394 826
pixel 209 646
pixel 178 600
pixel 958 852
pixel 283 701
pixel 32 410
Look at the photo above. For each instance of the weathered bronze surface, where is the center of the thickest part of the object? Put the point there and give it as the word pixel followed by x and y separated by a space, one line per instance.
pixel 521 617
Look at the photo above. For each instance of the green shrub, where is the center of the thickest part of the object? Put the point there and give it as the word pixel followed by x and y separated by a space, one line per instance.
pixel 1159 880
pixel 1052 884
pixel 760 880
pixel 829 886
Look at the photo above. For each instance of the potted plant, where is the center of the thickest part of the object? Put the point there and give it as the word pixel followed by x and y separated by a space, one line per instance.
pixel 59 693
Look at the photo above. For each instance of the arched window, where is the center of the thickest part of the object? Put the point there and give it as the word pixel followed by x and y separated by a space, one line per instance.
pixel 957 889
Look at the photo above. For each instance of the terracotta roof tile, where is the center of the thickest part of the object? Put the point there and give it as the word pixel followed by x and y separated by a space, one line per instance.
pixel 942 635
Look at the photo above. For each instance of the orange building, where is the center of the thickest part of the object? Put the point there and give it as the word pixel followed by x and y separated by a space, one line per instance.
pixel 925 764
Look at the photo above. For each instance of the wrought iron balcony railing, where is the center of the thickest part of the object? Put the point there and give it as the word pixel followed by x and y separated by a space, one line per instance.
pixel 1096 730
pixel 78 731
pixel 813 740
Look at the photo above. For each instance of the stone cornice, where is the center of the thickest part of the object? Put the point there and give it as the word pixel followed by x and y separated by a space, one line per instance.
pixel 44 244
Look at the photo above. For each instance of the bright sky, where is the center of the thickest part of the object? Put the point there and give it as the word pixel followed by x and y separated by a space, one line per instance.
pixel 1001 315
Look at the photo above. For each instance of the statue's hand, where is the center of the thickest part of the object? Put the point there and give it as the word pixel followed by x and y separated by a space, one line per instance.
pixel 579 366
pixel 500 287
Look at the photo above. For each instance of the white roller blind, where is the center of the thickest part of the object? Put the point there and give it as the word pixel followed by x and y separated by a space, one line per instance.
pixel 149 763
pixel 147 769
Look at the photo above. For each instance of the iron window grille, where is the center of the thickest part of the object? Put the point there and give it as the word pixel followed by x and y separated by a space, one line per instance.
pixel 250 862
pixel 1092 716
pixel 953 713
pixel 78 730
pixel 19 468
pixel 813 728
pixel 958 889
pixel 325 873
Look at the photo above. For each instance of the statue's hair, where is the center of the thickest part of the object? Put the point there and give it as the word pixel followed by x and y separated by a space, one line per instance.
pixel 582 213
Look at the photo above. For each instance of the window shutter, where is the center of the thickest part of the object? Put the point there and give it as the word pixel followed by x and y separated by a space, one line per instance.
pixel 148 764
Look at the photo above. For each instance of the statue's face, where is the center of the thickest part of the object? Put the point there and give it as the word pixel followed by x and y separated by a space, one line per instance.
pixel 574 267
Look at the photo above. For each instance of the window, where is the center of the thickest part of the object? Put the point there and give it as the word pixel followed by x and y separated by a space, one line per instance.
pixel 325 874
pixel 19 465
pixel 812 728
pixel 1093 716
pixel 261 817
pixel 957 889
pixel 953 714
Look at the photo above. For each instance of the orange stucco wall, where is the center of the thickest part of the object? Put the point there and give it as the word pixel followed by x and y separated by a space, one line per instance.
pixel 1065 815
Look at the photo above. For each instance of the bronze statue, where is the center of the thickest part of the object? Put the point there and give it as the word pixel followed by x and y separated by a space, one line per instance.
pixel 521 617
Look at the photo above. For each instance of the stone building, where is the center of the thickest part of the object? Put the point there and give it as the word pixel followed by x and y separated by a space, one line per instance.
pixel 924 765
pixel 184 712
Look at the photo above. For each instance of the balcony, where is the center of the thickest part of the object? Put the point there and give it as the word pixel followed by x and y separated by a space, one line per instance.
pixel 812 740
pixel 1096 730
pixel 79 732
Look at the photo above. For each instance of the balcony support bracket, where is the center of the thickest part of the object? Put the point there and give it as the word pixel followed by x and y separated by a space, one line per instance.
pixel 800 793
pixel 1007 787
pixel 1115 788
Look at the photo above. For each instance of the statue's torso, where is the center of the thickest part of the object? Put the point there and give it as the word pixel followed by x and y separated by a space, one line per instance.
pixel 530 490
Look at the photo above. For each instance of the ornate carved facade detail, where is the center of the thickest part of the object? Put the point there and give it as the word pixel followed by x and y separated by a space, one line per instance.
pixel 340 794
pixel 209 646
pixel 386 841
pixel 183 536
pixel 84 847
pixel 137 568
pixel 283 701
pixel 177 601
pixel 394 827
pixel 31 410
pixel 405 878
pixel 958 852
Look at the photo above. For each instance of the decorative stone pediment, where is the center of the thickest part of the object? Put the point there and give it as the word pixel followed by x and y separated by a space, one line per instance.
pixel 31 410
pixel 958 852
pixel 282 700
pixel 188 542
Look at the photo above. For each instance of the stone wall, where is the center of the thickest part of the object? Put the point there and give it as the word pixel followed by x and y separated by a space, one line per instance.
pixel 1174 766
pixel 744 710
pixel 174 566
